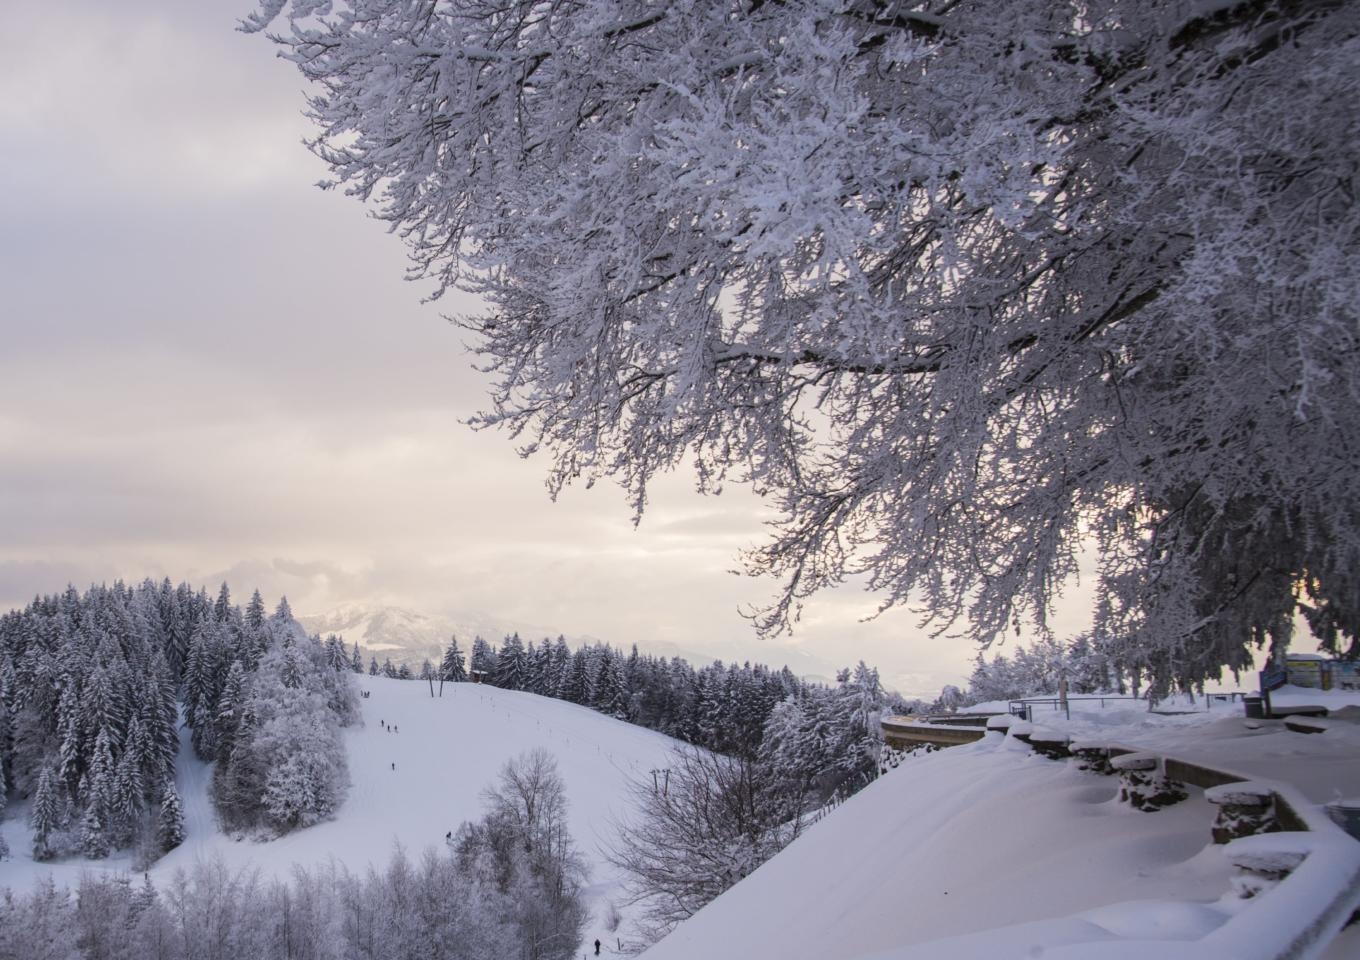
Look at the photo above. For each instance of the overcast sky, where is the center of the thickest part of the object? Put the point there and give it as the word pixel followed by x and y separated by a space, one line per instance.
pixel 213 370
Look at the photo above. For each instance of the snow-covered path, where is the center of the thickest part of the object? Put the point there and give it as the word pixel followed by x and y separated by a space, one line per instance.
pixel 192 780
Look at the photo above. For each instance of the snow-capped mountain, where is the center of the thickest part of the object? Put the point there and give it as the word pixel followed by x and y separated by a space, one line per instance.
pixel 407 636
pixel 410 637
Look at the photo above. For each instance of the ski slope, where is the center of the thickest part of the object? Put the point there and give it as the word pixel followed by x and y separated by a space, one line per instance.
pixel 411 786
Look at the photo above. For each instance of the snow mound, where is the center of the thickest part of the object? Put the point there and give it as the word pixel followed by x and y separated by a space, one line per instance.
pixel 963 840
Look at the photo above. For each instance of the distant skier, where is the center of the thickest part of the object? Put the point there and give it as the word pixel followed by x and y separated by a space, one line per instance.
pixel 597 946
pixel 394 766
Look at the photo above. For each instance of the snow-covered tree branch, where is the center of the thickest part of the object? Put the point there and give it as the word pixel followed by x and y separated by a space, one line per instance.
pixel 960 286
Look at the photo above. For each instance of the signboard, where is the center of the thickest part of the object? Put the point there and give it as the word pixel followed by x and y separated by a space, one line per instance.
pixel 1273 677
pixel 1304 672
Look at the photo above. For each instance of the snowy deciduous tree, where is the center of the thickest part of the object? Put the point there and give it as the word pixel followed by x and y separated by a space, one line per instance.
pixel 701 825
pixel 960 285
pixel 523 848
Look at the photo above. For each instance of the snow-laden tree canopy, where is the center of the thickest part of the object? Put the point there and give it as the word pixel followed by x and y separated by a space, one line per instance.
pixel 959 285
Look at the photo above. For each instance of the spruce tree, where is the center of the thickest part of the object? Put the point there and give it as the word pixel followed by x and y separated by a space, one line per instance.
pixel 452 668
pixel 291 673
pixel 335 654
pixel 483 658
pixel 97 823
pixel 557 669
pixel 229 706
pixel 170 821
pixel 127 800
pixel 510 666
pixel 45 814
pixel 356 661
pixel 609 697
pixel 94 835
pixel 254 616
pixel 575 686
pixel 143 899
pixel 222 609
pixel 4 848
pixel 536 663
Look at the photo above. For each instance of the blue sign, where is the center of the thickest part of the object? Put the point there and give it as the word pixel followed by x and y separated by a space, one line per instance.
pixel 1273 677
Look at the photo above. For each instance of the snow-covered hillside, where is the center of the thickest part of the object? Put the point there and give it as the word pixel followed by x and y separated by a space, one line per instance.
pixel 412 785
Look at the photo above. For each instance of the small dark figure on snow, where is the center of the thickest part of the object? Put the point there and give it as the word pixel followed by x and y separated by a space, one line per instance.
pixel 597 947
pixel 394 766
pixel 449 835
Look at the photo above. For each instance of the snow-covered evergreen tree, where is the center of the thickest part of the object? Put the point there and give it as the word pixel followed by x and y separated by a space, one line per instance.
pixel 44 815
pixel 610 695
pixel 290 673
pixel 511 668
pixel 4 790
pixel 483 658
pixel 452 668
pixel 170 819
pixel 222 608
pixel 575 684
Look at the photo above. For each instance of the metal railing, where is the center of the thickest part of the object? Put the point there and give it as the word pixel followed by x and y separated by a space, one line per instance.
pixel 1024 707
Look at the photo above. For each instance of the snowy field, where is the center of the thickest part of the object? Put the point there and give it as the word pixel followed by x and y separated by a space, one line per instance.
pixel 988 852
pixel 983 851
pixel 445 751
